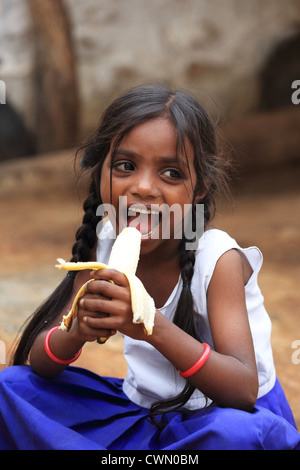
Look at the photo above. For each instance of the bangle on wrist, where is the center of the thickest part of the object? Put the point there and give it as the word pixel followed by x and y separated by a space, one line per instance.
pixel 197 366
pixel 50 353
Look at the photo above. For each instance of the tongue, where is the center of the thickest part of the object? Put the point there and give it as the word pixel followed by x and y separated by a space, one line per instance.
pixel 141 222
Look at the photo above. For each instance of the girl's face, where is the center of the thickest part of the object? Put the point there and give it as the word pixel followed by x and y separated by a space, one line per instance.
pixel 151 178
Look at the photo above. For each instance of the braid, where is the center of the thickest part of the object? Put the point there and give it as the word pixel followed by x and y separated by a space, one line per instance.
pixel 86 235
pixel 184 319
pixel 86 238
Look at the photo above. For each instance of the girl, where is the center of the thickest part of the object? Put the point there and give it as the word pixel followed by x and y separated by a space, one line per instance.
pixel 205 378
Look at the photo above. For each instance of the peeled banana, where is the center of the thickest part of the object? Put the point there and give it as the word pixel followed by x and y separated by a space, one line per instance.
pixel 124 257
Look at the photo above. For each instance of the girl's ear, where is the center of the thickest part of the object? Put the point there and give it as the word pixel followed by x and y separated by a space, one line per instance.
pixel 200 196
pixel 202 192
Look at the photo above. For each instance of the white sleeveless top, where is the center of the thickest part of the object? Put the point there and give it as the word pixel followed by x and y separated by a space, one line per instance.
pixel 150 376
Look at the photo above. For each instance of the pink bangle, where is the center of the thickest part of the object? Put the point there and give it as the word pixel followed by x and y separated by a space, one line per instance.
pixel 197 366
pixel 50 353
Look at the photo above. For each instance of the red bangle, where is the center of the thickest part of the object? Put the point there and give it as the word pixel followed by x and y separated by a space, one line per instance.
pixel 50 353
pixel 197 366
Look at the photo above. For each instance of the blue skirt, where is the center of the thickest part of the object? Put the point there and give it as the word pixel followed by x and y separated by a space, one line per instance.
pixel 79 410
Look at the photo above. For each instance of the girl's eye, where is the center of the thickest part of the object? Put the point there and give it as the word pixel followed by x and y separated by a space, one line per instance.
pixel 173 174
pixel 124 166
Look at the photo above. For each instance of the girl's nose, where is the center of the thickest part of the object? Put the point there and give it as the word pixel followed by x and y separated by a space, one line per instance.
pixel 145 186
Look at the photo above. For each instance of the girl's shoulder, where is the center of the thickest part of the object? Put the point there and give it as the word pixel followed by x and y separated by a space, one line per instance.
pixel 214 243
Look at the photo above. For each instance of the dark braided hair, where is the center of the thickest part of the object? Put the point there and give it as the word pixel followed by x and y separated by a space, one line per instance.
pixel 193 124
pixel 86 235
pixel 184 321
pixel 85 241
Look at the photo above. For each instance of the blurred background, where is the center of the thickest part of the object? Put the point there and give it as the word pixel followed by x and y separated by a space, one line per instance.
pixel 63 61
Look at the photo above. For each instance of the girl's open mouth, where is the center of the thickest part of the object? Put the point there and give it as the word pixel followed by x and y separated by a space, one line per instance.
pixel 145 219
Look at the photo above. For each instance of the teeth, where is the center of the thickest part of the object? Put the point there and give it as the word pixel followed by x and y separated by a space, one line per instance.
pixel 143 211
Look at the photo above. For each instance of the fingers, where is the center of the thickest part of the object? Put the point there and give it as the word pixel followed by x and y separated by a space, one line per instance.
pixel 94 333
pixel 106 305
pixel 103 307
pixel 90 326
pixel 113 275
pixel 101 290
pixel 104 326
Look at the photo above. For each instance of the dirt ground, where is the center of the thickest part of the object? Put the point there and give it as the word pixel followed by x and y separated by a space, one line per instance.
pixel 40 213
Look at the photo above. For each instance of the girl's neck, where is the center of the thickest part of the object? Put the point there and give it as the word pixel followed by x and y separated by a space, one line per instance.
pixel 166 254
pixel 159 272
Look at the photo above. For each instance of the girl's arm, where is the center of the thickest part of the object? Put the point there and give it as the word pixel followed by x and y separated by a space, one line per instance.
pixel 229 377
pixel 64 345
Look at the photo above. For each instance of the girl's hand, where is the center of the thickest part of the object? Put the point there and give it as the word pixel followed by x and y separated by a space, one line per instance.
pixel 106 307
pixel 80 326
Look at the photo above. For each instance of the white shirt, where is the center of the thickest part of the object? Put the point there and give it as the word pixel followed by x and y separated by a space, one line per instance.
pixel 150 376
